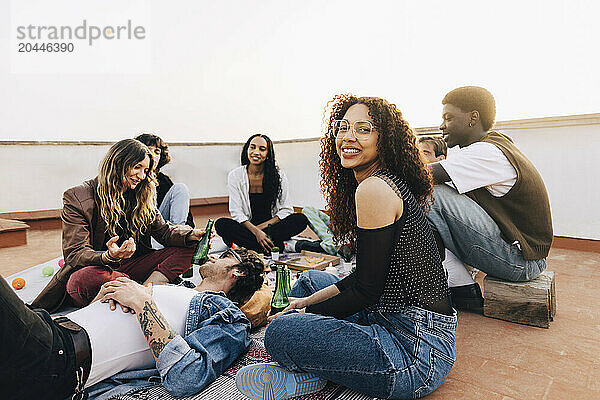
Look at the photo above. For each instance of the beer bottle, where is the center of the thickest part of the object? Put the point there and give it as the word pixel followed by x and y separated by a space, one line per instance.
pixel 286 280
pixel 280 298
pixel 201 254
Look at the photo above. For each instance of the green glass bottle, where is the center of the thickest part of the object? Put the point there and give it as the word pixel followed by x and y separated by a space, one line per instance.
pixel 201 254
pixel 286 280
pixel 280 298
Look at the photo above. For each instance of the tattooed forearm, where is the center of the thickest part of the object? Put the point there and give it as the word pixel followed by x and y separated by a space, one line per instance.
pixel 145 324
pixel 156 346
pixel 156 315
pixel 155 327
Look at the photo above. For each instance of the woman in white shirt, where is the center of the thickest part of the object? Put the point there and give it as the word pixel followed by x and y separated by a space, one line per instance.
pixel 261 213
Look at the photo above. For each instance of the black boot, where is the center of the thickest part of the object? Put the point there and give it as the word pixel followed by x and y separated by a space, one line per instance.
pixel 467 298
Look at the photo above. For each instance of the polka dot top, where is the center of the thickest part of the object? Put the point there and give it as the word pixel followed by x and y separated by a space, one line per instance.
pixel 396 265
pixel 416 276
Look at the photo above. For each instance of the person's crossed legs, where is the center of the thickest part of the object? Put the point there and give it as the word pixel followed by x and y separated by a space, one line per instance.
pixel 84 284
pixel 473 236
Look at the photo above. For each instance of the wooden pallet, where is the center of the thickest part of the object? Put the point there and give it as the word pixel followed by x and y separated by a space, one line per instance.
pixel 530 303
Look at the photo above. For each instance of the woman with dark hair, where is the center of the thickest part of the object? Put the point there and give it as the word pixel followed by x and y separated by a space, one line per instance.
pixel 172 199
pixel 261 214
pixel 388 329
pixel 107 223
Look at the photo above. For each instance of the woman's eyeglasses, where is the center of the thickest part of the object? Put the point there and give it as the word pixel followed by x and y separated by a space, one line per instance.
pixel 233 253
pixel 362 129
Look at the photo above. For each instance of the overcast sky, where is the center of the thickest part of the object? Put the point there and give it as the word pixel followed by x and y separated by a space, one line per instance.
pixel 221 70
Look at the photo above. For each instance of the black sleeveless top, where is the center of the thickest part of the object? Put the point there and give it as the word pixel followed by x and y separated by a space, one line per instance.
pixel 416 276
pixel 396 266
pixel 260 208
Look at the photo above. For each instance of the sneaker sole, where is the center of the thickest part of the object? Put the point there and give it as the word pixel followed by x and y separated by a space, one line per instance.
pixel 272 382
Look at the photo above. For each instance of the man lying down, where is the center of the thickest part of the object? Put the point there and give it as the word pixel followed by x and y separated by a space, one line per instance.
pixel 188 337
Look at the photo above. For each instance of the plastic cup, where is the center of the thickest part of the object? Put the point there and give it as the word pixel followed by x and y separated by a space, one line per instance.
pixel 275 254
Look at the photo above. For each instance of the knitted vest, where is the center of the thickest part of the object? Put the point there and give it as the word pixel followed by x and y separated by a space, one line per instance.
pixel 522 214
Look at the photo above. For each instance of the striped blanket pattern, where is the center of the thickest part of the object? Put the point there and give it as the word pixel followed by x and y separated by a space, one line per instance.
pixel 224 386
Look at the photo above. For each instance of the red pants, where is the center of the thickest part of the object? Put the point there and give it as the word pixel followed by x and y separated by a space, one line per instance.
pixel 84 284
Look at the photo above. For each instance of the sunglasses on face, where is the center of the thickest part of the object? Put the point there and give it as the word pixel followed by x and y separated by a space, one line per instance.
pixel 230 251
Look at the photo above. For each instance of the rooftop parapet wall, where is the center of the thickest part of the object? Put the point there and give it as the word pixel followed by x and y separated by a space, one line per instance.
pixel 564 149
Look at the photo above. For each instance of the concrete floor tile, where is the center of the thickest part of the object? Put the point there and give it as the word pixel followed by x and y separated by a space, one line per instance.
pixel 510 381
pixel 494 359
pixel 565 391
pixel 456 389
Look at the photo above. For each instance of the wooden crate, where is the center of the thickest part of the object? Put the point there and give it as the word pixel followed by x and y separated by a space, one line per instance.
pixel 294 263
pixel 530 303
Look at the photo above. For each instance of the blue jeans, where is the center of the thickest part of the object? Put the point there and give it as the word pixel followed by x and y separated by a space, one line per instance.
pixel 473 236
pixel 400 355
pixel 174 208
pixel 216 334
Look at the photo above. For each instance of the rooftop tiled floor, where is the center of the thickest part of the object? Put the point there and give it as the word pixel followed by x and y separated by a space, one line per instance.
pixel 494 359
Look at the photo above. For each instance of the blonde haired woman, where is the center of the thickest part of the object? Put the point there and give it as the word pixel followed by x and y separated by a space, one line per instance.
pixel 107 223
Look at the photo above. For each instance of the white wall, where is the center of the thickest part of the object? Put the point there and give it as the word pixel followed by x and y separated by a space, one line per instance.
pixel 567 158
pixel 35 175
pixel 565 150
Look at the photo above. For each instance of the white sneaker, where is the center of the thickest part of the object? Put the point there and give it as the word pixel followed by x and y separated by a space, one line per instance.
pixel 289 246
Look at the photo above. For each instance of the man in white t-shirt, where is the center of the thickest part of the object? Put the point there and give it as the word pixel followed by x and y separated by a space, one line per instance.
pixel 491 207
pixel 183 337
pixel 434 149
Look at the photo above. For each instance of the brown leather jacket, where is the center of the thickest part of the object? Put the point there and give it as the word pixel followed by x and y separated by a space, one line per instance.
pixel 83 240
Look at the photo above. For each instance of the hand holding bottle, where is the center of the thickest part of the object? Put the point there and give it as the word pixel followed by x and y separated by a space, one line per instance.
pixel 295 304
pixel 198 234
pixel 201 254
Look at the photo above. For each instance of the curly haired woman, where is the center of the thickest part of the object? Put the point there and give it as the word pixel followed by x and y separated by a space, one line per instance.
pixel 258 198
pixel 388 329
pixel 107 223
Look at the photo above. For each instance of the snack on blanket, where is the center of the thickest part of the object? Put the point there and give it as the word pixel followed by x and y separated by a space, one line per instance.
pixel 309 261
pixel 18 283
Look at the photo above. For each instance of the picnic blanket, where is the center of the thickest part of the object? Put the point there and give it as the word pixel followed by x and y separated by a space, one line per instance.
pixel 224 386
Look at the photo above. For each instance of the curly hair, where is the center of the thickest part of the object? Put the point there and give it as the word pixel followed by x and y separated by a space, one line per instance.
pixel 271 179
pixel 253 268
pixel 112 184
pixel 471 98
pixel 150 139
pixel 396 151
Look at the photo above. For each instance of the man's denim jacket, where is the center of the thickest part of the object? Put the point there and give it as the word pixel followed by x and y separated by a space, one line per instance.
pixel 216 334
